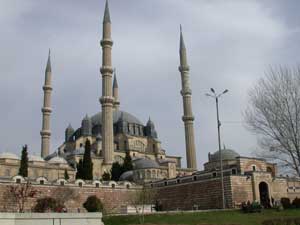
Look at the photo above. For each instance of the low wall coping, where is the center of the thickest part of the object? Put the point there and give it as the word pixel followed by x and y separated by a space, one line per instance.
pixel 50 215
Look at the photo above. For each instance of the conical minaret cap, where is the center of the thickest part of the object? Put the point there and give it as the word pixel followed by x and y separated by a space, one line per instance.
pixel 48 67
pixel 69 126
pixel 86 118
pixel 106 18
pixel 181 45
pixel 150 122
pixel 115 83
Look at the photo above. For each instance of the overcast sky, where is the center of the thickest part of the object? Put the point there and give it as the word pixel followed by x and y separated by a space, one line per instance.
pixel 230 44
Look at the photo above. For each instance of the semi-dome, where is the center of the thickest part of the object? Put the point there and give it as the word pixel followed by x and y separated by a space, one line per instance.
pixel 126 117
pixel 57 160
pixel 8 155
pixel 227 154
pixel 126 176
pixel 35 158
pixel 142 163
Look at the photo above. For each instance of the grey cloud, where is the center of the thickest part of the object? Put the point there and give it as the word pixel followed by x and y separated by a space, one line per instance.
pixel 229 43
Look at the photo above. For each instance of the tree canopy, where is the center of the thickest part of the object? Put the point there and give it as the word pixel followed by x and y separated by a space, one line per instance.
pixel 23 170
pixel 274 115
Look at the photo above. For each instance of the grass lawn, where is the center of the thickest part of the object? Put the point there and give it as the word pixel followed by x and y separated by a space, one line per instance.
pixel 226 217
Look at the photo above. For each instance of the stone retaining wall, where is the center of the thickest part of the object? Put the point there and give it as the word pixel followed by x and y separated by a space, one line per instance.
pixel 112 198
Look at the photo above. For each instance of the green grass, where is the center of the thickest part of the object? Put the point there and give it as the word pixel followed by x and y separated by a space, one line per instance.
pixel 225 217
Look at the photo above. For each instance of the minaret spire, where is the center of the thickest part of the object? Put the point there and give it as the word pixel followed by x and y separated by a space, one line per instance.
pixel 116 92
pixel 187 117
pixel 106 17
pixel 46 110
pixel 107 99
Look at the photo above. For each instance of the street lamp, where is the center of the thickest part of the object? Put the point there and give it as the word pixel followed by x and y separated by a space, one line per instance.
pixel 216 97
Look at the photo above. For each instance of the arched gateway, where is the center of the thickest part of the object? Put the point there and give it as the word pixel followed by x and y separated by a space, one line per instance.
pixel 264 195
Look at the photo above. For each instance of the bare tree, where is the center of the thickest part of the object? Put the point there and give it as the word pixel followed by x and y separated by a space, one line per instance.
pixel 274 115
pixel 20 194
pixel 140 198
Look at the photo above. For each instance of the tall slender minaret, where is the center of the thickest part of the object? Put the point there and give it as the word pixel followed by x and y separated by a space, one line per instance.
pixel 116 92
pixel 107 99
pixel 46 110
pixel 187 117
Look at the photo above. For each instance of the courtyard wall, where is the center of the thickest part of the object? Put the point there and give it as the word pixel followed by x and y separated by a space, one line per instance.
pixel 112 198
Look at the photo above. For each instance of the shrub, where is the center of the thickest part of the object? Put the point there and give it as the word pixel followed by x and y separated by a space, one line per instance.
pixel 93 204
pixel 286 203
pixel 251 207
pixel 48 204
pixel 296 202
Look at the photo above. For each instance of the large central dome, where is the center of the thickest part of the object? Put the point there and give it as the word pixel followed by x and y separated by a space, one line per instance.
pixel 127 117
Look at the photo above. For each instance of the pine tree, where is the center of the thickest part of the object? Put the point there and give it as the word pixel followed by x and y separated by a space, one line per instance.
pixel 66 175
pixel 127 165
pixel 79 170
pixel 23 171
pixel 87 164
pixel 116 171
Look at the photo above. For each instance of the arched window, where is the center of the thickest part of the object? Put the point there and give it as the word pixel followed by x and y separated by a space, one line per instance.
pixel 42 182
pixel 233 171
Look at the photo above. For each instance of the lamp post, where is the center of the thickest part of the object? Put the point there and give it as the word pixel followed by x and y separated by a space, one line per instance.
pixel 216 97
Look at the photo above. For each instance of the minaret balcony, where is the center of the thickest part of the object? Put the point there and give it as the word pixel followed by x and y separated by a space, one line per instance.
pixel 106 70
pixel 46 110
pixel 188 118
pixel 47 88
pixel 107 100
pixel 45 133
pixel 106 42
pixel 183 68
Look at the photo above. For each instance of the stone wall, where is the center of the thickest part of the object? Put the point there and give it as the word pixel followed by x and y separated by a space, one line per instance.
pixel 242 189
pixel 203 194
pixel 112 198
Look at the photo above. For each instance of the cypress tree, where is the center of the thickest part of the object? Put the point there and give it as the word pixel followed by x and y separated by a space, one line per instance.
pixel 116 171
pixel 106 176
pixel 79 170
pixel 66 175
pixel 87 164
pixel 23 170
pixel 127 165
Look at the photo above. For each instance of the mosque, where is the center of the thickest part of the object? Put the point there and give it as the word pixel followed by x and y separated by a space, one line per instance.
pixel 112 131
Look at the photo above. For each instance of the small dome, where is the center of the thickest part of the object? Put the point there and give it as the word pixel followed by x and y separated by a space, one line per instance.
pixel 8 155
pixel 142 163
pixel 57 160
pixel 227 154
pixel 126 176
pixel 35 158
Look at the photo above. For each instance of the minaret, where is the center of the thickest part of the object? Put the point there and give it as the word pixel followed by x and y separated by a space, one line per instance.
pixel 46 110
pixel 116 92
pixel 107 99
pixel 187 117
